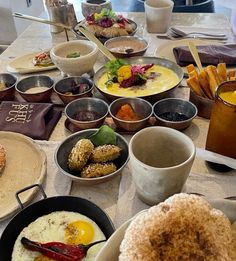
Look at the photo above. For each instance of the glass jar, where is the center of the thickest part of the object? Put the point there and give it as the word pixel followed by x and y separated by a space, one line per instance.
pixel 221 136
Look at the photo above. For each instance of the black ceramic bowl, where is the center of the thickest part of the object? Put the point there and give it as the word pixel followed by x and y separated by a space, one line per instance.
pixel 46 206
pixel 7 94
pixel 63 86
pixel 174 113
pixel 64 149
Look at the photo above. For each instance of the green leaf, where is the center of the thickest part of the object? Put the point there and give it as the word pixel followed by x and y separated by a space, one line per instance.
pixel 73 55
pixel 105 135
pixel 113 66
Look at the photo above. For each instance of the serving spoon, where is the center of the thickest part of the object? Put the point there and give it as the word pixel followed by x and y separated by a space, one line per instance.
pixel 90 36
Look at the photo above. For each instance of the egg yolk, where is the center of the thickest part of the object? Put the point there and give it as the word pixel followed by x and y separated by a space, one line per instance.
pixel 79 232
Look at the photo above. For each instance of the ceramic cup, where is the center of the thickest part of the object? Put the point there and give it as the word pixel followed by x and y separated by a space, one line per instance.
pixel 158 15
pixel 160 160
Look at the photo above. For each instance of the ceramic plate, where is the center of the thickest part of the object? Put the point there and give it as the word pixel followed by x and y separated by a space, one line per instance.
pixel 166 49
pixel 25 165
pixel 110 250
pixel 24 64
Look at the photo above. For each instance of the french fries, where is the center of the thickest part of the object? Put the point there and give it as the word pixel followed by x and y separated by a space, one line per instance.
pixel 204 83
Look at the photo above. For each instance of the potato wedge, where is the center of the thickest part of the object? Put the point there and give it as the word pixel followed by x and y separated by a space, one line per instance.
pixel 213 77
pixel 204 83
pixel 221 70
pixel 194 84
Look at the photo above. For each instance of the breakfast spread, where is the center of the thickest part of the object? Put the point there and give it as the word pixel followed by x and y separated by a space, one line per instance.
pixel 184 227
pixel 42 59
pixel 132 80
pixel 91 160
pixel 205 83
pixel 127 113
pixel 60 234
pixel 107 24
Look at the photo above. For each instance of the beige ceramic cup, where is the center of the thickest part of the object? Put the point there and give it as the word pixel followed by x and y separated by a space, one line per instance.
pixel 158 15
pixel 161 159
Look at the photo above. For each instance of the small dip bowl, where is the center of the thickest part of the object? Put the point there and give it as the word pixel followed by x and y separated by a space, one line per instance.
pixel 141 108
pixel 126 46
pixel 72 88
pixel 87 113
pixel 36 88
pixel 174 113
pixel 7 86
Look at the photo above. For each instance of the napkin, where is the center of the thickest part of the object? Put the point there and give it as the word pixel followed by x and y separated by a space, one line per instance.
pixel 209 54
pixel 35 120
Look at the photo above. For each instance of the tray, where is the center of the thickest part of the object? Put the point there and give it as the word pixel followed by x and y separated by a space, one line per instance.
pixel 109 122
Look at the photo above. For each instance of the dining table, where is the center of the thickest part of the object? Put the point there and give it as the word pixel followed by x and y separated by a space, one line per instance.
pixel 117 197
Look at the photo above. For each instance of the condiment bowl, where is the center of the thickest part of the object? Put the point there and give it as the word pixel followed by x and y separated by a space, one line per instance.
pixel 9 80
pixel 75 66
pixel 126 46
pixel 87 113
pixel 62 153
pixel 65 88
pixel 174 113
pixel 33 82
pixel 141 107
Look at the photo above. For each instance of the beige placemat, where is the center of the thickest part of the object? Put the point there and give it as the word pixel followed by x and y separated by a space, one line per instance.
pixel 55 183
pixel 214 186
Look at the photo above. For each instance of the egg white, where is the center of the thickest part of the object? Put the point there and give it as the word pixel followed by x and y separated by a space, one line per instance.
pixel 51 228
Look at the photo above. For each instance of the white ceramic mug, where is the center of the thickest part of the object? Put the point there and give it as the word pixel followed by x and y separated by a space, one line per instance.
pixel 161 159
pixel 158 15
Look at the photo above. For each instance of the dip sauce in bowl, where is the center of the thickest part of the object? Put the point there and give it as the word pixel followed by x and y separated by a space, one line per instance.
pixel 126 46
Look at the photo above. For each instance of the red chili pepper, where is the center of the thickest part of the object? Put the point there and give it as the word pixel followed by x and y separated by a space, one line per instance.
pixel 59 251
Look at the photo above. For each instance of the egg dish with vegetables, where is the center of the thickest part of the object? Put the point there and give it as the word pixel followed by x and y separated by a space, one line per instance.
pixel 136 80
pixel 60 226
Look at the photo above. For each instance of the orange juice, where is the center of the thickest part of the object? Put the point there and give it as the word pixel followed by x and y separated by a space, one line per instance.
pixel 221 136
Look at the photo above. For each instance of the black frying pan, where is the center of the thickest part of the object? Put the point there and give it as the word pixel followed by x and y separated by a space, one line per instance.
pixel 44 207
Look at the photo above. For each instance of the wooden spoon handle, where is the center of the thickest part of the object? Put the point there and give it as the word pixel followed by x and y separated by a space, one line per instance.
pixel 195 55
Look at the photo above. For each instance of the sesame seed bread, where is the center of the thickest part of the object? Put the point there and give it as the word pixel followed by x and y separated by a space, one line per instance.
pixel 184 227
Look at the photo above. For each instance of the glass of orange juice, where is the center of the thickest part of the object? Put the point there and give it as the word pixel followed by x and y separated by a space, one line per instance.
pixel 221 136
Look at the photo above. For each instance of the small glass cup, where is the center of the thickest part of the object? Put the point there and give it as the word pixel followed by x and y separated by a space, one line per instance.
pixel 221 136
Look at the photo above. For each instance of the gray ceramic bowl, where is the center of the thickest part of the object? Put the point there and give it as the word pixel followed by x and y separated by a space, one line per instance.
pixel 63 151
pixel 33 82
pixel 126 46
pixel 8 79
pixel 66 84
pixel 140 106
pixel 87 105
pixel 182 111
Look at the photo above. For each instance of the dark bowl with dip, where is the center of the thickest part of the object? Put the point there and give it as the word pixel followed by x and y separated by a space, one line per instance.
pixel 7 86
pixel 72 88
pixel 87 113
pixel 174 113
pixel 126 46
pixel 36 88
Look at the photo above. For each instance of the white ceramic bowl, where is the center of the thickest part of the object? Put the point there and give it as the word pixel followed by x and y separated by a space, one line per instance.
pixel 75 66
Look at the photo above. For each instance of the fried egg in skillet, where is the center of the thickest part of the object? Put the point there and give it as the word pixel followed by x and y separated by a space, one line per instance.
pixel 60 226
